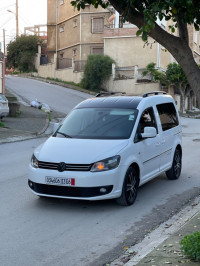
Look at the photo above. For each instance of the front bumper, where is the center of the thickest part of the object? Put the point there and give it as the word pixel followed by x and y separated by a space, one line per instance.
pixel 63 191
pixel 88 185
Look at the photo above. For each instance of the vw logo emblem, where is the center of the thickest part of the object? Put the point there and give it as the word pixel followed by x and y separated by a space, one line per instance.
pixel 61 167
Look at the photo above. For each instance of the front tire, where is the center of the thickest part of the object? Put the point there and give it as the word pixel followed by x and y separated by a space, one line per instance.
pixel 129 189
pixel 175 171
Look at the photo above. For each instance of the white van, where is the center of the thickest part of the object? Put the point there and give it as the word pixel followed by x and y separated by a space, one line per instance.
pixel 109 146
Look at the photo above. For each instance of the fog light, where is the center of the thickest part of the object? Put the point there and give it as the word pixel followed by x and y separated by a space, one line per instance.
pixel 102 190
pixel 30 184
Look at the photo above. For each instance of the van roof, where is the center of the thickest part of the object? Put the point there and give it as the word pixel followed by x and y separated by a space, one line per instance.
pixel 127 102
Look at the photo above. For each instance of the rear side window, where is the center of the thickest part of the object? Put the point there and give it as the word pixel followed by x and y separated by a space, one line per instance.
pixel 168 115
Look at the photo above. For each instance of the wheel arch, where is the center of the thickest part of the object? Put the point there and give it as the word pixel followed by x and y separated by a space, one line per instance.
pixel 137 168
pixel 178 147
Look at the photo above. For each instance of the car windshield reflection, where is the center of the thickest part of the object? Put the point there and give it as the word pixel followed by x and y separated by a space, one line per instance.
pixel 99 123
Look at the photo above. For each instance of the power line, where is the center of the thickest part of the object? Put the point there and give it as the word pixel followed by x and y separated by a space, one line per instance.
pixel 6 22
pixel 25 21
pixel 5 7
pixel 7 35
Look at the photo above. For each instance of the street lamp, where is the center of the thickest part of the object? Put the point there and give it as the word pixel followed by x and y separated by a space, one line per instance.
pixel 17 22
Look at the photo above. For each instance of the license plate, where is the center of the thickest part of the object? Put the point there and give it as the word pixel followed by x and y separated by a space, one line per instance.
pixel 58 181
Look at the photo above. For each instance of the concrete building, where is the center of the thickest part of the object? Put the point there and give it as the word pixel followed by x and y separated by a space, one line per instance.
pixel 194 41
pixel 74 34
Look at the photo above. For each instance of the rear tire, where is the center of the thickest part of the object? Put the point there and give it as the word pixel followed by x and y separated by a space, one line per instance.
pixel 129 189
pixel 175 171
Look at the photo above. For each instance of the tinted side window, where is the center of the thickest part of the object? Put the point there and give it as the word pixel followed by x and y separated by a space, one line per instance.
pixel 168 115
pixel 147 119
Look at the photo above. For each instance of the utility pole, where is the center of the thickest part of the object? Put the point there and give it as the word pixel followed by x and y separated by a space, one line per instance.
pixel 17 24
pixel 4 42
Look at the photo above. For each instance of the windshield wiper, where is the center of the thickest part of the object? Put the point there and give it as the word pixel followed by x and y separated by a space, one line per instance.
pixel 65 135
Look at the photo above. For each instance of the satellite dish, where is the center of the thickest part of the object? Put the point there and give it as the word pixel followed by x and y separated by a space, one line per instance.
pixel 111 18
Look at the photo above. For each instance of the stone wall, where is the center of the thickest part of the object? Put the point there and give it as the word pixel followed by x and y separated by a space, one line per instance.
pixel 67 74
pixel 130 86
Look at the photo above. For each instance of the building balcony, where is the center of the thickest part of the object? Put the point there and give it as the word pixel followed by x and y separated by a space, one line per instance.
pixel 110 32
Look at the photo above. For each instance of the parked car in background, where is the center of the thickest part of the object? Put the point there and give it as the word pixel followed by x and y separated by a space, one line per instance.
pixel 109 146
pixel 4 108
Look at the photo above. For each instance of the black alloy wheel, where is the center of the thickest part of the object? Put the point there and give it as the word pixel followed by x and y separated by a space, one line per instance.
pixel 130 188
pixel 175 171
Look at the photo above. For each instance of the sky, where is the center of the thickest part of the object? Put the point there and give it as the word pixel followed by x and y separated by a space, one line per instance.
pixel 31 12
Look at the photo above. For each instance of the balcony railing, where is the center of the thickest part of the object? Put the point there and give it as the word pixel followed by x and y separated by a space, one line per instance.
pixel 64 63
pixel 79 65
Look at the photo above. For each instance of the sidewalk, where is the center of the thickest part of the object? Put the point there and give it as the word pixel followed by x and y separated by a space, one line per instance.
pixel 30 123
pixel 162 246
pixel 169 253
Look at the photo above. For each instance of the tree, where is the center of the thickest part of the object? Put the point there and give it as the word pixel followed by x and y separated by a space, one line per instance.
pixel 21 53
pixel 155 74
pixel 97 69
pixel 174 76
pixel 144 15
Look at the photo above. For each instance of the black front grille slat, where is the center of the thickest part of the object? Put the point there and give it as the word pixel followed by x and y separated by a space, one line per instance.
pixel 65 191
pixel 69 167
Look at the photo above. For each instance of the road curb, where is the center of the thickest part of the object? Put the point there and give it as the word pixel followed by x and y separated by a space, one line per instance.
pixel 44 128
pixel 139 251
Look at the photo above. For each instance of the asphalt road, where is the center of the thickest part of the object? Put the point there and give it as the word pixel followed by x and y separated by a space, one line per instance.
pixel 63 232
pixel 60 99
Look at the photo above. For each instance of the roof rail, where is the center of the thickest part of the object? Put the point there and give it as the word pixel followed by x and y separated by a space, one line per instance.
pixel 108 93
pixel 154 93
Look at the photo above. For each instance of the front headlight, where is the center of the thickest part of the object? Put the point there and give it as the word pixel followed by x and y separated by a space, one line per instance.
pixel 107 164
pixel 34 161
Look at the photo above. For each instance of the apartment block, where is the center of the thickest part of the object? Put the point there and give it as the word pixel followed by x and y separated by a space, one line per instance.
pixel 75 34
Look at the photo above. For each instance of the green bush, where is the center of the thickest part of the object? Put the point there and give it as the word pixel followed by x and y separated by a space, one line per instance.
pixel 21 53
pixel 2 124
pixel 98 68
pixel 190 245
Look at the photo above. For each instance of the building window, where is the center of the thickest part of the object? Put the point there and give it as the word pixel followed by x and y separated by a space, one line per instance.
pixel 75 23
pixel 74 52
pixel 97 50
pixel 97 25
pixel 62 2
pixel 62 28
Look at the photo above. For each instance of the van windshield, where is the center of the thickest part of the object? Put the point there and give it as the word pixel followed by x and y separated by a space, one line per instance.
pixel 98 123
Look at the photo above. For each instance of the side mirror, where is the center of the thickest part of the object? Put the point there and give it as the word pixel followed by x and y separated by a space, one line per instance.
pixel 149 132
pixel 55 127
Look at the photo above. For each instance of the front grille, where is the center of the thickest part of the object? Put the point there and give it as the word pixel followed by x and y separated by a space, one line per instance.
pixel 68 191
pixel 68 167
